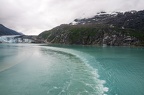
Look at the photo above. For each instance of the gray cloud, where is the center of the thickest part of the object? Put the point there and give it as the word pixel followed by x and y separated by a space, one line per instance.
pixel 35 16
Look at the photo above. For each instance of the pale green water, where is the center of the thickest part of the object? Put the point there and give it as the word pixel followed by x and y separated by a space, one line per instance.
pixel 71 70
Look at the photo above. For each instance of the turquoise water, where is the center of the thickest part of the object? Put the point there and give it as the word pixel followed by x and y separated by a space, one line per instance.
pixel 29 69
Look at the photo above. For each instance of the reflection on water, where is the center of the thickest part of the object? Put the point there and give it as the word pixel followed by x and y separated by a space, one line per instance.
pixel 11 54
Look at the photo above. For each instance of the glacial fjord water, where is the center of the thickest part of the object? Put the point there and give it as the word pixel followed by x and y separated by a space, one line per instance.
pixel 29 69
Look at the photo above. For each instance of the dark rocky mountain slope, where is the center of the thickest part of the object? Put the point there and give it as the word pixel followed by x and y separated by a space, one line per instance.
pixel 116 29
pixel 6 31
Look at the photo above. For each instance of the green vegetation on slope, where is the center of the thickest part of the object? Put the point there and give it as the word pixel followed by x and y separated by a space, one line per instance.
pixel 92 34
pixel 120 29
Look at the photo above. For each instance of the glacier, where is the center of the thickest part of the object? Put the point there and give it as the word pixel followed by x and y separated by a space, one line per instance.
pixel 14 39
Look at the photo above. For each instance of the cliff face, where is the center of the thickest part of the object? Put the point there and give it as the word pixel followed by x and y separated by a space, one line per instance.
pixel 103 29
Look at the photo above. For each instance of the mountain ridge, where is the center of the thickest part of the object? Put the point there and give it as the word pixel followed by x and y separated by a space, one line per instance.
pixel 6 31
pixel 110 29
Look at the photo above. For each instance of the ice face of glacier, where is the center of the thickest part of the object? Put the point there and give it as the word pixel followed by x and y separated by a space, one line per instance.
pixel 8 39
pixel 13 39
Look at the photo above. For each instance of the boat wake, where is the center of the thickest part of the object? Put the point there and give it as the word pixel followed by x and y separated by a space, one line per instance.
pixel 77 76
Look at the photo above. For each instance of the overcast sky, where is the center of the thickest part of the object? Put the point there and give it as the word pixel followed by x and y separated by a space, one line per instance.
pixel 35 16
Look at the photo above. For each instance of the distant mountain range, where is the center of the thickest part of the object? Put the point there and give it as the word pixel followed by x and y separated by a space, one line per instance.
pixel 115 29
pixel 6 31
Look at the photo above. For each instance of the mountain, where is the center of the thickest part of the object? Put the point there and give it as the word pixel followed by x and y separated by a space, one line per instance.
pixel 6 31
pixel 130 19
pixel 116 29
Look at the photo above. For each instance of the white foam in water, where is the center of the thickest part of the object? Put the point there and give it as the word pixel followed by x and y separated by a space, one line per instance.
pixel 99 84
